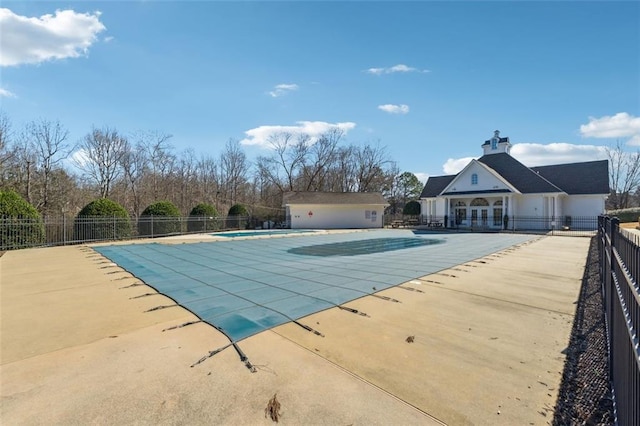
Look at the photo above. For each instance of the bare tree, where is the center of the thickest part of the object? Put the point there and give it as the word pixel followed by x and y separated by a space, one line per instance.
pixel 134 164
pixel 19 169
pixel 48 140
pixel 161 161
pixel 370 163
pixel 207 170
pixel 100 156
pixel 234 168
pixel 5 136
pixel 321 156
pixel 287 162
pixel 342 174
pixel 624 176
pixel 186 175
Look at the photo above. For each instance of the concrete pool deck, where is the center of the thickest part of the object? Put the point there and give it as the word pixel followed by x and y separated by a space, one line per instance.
pixel 77 347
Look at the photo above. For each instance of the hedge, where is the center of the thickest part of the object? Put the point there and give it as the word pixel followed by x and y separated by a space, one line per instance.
pixel 102 219
pixel 22 225
pixel 161 218
pixel 201 218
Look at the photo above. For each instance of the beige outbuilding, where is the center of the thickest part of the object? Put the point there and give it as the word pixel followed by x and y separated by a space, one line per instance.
pixel 334 210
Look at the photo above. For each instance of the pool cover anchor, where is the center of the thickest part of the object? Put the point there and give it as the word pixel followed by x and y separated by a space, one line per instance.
pixel 411 289
pixel 157 308
pixel 136 284
pixel 210 354
pixel 182 325
pixel 244 358
pixel 387 298
pixel 306 327
pixel 145 295
pixel 354 311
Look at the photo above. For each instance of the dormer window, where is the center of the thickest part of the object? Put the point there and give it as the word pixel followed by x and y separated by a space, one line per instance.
pixel 474 179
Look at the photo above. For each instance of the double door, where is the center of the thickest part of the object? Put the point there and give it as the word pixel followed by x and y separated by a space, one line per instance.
pixel 479 216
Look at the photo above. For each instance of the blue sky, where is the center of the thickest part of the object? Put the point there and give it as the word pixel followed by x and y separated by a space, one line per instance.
pixel 430 81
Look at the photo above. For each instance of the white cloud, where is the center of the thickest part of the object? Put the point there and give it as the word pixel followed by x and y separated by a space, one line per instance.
pixel 66 34
pixel 422 177
pixel 618 126
pixel 259 136
pixel 77 160
pixel 394 109
pixel 393 69
pixel 536 154
pixel 4 93
pixel 282 89
pixel 455 165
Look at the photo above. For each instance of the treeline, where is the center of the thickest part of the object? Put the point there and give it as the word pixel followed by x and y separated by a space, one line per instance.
pixel 57 175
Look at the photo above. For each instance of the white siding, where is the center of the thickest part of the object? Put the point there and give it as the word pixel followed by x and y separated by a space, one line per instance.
pixel 584 205
pixel 486 180
pixel 529 205
pixel 335 216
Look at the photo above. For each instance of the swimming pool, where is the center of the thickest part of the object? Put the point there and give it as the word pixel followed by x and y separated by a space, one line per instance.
pixel 248 285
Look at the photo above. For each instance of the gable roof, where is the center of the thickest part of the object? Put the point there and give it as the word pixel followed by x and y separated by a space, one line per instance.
pixel 520 176
pixel 591 177
pixel 435 185
pixel 344 198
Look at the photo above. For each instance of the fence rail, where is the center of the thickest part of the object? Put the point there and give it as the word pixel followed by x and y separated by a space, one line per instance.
pixel 564 225
pixel 619 269
pixel 16 233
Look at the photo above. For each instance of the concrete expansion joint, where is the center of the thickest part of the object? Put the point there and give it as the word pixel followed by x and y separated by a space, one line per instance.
pixel 361 379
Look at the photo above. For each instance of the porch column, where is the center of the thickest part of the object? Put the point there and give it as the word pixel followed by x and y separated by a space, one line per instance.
pixel 447 211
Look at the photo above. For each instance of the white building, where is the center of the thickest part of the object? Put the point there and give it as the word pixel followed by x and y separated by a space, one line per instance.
pixel 334 210
pixel 497 184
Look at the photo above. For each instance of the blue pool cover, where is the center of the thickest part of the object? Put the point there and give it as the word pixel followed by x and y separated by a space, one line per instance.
pixel 243 287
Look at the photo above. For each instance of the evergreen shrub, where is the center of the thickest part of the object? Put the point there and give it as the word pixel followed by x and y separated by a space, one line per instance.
pixel 161 218
pixel 22 225
pixel 102 219
pixel 203 217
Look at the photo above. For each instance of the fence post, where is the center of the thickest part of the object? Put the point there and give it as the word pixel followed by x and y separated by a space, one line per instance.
pixel 151 219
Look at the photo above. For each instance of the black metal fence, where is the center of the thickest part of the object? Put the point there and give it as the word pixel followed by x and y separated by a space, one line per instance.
pixel 16 233
pixel 564 225
pixel 619 270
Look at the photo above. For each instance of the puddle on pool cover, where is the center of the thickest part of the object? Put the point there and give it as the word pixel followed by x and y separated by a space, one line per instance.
pixel 354 248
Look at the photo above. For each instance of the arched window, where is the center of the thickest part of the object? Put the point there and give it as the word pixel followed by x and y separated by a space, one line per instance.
pixel 474 179
pixel 479 202
pixel 498 203
pixel 461 204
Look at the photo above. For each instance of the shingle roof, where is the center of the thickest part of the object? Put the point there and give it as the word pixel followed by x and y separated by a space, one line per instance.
pixel 435 185
pixel 517 174
pixel 591 177
pixel 333 198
